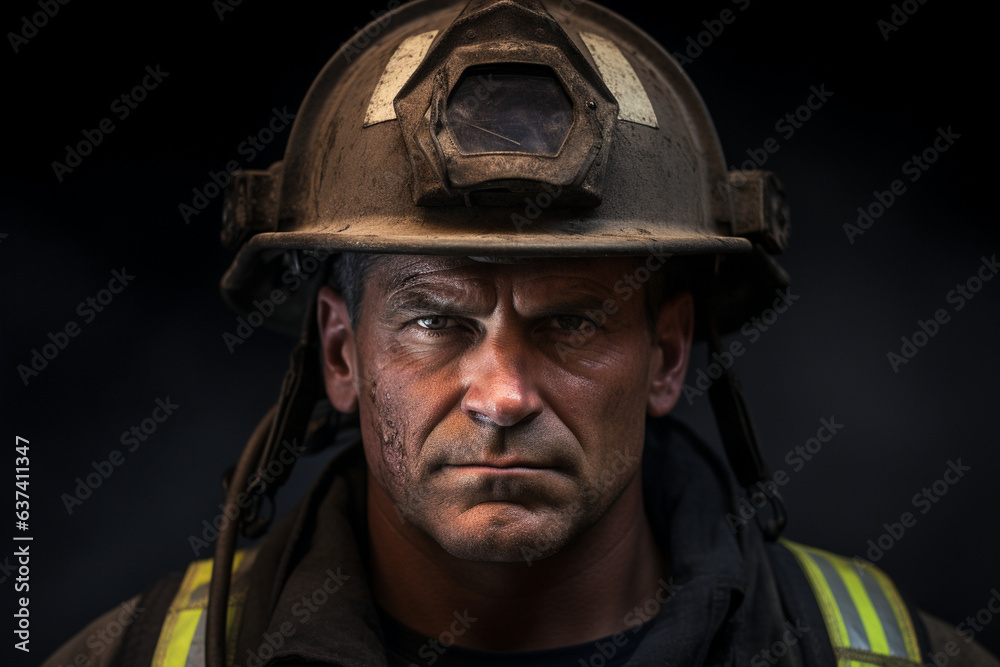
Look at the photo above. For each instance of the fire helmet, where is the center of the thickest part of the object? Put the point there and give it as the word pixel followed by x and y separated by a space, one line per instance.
pixel 504 127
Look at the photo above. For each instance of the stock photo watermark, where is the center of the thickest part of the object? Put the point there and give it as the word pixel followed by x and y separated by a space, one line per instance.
pixel 432 650
pixel 287 456
pixel 293 279
pixel 914 168
pixel 223 7
pixel 605 651
pixel 32 23
pixel 88 310
pixel 303 610
pixel 535 206
pixel 786 126
pixel 773 654
pixel 626 287
pixel 898 17
pixel 696 44
pixel 122 107
pixel 973 624
pixel 247 149
pixel 363 38
pixel 102 639
pixel 22 585
pixel 924 500
pixel 752 330
pixel 797 457
pixel 132 439
pixel 958 297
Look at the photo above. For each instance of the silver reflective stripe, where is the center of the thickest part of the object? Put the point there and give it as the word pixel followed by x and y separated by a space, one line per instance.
pixel 401 65
pixel 867 620
pixel 182 636
pixel 852 619
pixel 621 79
pixel 196 653
pixel 890 624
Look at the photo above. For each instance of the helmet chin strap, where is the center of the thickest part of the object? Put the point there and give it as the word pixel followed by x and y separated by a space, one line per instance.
pixel 284 425
pixel 739 437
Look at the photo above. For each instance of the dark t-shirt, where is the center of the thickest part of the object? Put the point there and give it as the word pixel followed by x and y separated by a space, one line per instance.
pixel 406 647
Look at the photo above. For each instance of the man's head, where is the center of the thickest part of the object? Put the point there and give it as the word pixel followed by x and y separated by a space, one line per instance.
pixel 501 402
pixel 382 159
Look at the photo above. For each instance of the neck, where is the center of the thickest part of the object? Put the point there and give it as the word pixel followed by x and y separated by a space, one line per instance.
pixel 596 585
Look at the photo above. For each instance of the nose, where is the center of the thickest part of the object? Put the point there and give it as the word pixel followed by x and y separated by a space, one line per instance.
pixel 501 386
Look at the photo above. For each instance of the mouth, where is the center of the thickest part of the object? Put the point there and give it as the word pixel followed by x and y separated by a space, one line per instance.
pixel 503 463
pixel 527 481
pixel 502 467
pixel 500 470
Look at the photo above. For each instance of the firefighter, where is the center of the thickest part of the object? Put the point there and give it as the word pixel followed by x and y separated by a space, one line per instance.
pixel 497 230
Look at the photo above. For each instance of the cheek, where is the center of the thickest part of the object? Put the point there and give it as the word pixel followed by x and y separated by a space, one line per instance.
pixel 607 412
pixel 606 397
pixel 383 422
pixel 398 406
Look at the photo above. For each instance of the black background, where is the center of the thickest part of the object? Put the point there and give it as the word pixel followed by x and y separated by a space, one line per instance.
pixel 162 336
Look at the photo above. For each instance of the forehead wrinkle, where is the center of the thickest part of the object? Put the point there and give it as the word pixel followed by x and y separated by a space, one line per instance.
pixel 419 300
pixel 401 271
pixel 437 291
pixel 413 282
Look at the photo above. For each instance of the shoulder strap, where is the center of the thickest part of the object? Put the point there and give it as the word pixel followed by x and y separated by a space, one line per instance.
pixel 182 638
pixel 865 616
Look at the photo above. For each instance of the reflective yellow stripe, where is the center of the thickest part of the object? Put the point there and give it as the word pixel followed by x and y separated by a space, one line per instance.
pixel 182 638
pixel 861 608
pixel 866 610
pixel 179 626
pixel 900 612
pixel 824 596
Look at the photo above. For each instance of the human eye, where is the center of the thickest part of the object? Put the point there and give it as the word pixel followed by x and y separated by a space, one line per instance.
pixel 432 322
pixel 433 325
pixel 572 324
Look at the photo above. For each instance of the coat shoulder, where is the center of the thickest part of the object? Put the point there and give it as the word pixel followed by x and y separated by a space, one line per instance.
pixel 124 634
pixel 950 647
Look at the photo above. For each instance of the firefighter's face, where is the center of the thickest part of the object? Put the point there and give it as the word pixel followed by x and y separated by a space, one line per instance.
pixel 502 406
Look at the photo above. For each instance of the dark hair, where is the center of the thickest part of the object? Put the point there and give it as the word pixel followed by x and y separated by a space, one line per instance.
pixel 348 276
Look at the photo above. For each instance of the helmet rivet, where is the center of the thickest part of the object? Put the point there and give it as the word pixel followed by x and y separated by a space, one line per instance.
pixel 470 34
pixel 591 104
pixel 540 32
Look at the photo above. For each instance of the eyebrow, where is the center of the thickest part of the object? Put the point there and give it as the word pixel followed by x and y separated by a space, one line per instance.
pixel 417 300
pixel 571 303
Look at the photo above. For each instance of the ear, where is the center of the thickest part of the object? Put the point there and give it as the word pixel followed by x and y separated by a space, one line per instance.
pixel 339 358
pixel 671 350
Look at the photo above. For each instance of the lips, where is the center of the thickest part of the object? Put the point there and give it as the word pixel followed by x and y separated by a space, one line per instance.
pixel 503 464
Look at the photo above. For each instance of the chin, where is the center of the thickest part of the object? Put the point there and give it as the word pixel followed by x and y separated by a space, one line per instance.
pixel 503 533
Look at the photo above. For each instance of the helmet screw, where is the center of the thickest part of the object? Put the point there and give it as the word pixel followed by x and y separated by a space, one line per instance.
pixel 470 34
